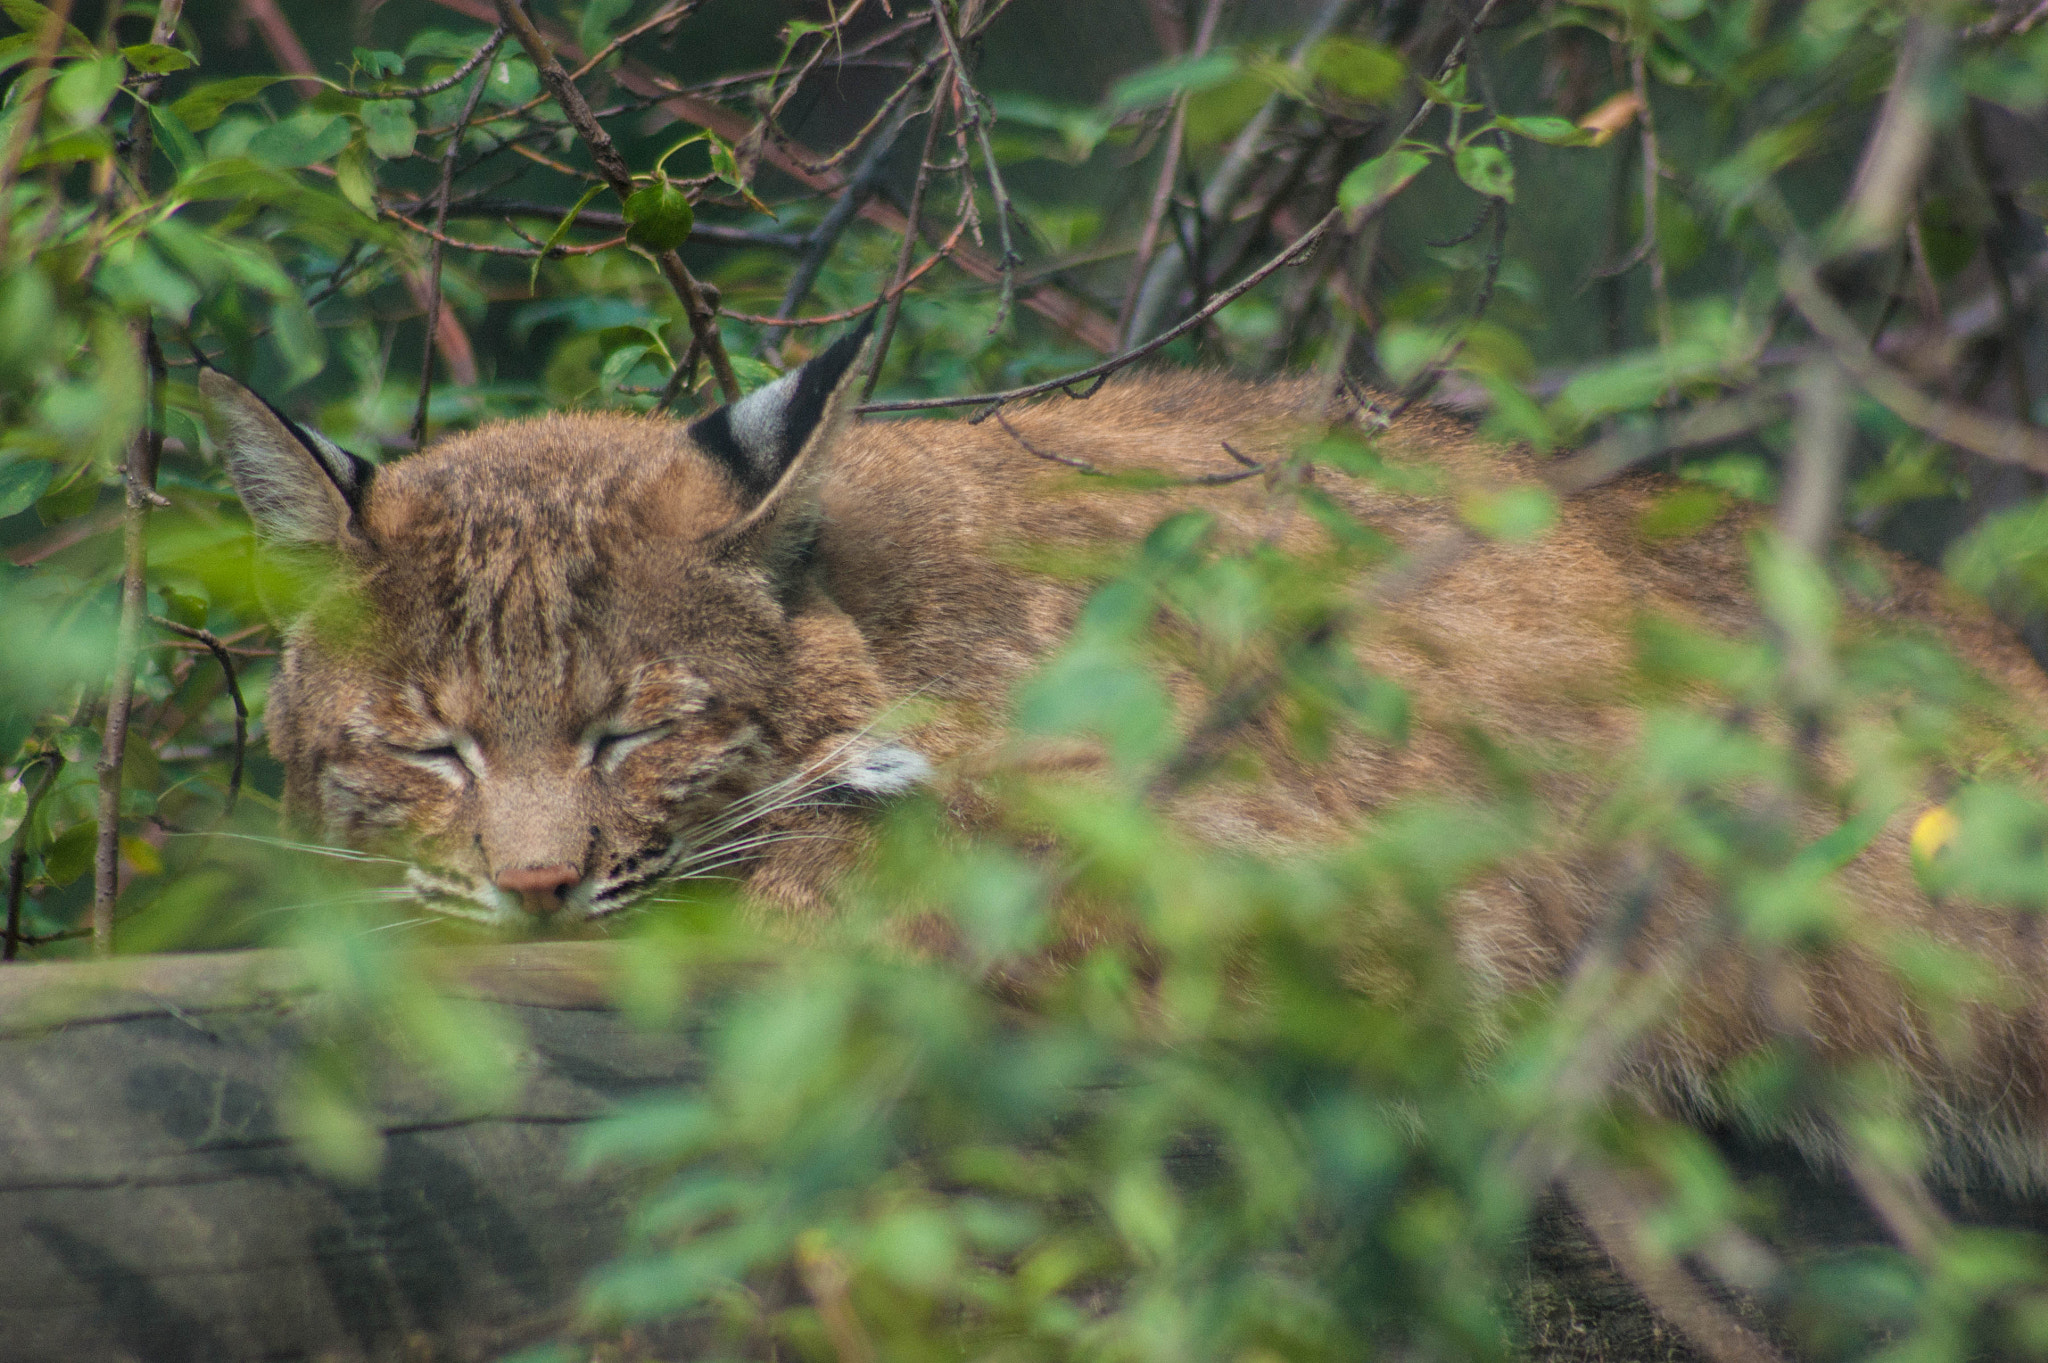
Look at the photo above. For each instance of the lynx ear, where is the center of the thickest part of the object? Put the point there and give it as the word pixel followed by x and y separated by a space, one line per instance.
pixel 770 441
pixel 300 488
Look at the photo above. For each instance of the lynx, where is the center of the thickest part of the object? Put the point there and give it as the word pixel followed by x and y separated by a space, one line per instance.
pixel 578 655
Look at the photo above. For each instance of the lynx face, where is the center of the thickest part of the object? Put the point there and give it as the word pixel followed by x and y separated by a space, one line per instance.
pixel 566 658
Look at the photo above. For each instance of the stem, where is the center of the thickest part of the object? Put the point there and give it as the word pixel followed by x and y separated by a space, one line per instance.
pixel 219 649
pixel 38 84
pixel 903 257
pixel 1169 166
pixel 17 857
pixel 1288 254
pixel 145 449
pixel 612 166
pixel 441 197
pixel 1652 177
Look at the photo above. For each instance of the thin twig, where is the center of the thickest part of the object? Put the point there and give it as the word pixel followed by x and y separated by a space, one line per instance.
pixel 283 42
pixel 1162 282
pixel 975 112
pixel 889 296
pixel 1652 180
pixel 17 855
pixel 227 668
pixel 887 331
pixel 1611 1215
pixel 2006 442
pixel 145 450
pixel 28 114
pixel 703 321
pixel 441 197
pixel 825 236
pixel 1169 164
pixel 1059 306
pixel 448 82
pixel 1288 254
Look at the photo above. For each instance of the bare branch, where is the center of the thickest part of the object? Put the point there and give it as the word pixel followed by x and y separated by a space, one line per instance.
pixel 1289 254
pixel 441 196
pixel 612 166
pixel 1166 25
pixel 234 685
pixel 2006 442
pixel 35 82
pixel 448 82
pixel 1615 1220
pixel 17 855
pixel 909 248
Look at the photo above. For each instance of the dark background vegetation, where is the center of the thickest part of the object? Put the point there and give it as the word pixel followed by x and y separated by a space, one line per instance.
pixel 1216 1146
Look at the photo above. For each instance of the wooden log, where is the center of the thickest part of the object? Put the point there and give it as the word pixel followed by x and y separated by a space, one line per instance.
pixel 152 1208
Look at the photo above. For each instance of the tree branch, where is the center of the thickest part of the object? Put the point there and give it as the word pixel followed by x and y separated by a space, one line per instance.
pixel 612 166
pixel 227 667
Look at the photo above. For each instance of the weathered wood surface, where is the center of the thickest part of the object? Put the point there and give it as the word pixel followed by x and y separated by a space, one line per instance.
pixel 152 1209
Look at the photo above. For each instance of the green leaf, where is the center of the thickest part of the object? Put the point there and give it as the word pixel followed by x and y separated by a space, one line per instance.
pixel 1487 170
pixel 299 337
pixel 1450 91
pixel 1158 84
pixel 598 17
pixel 176 139
pixel 1794 590
pixel 13 807
pixel 200 109
pixel 659 217
pixel 1513 514
pixel 155 59
pixel 1356 70
pixel 70 856
pixel 561 230
pixel 513 81
pixel 93 143
pixel 353 178
pixel 1682 511
pixel 1555 132
pixel 725 164
pixel 377 63
pixel 1373 182
pixel 1080 129
pixel 304 139
pixel 388 127
pixel 81 91
pixel 21 482
pixel 15 49
pixel 620 363
pixel 32 18
pixel 1404 349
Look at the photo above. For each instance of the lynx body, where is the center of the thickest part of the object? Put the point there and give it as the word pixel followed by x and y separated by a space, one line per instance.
pixel 579 654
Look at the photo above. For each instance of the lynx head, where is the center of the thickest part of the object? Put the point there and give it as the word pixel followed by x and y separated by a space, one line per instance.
pixel 566 657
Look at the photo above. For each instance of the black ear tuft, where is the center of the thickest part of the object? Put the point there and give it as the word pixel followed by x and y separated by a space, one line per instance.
pixel 299 486
pixel 757 438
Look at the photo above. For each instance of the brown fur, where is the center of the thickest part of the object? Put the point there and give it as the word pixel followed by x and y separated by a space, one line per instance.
pixel 530 580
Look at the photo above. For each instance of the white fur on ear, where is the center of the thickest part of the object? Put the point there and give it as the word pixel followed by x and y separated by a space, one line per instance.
pixel 891 769
pixel 299 487
pixel 760 437
pixel 758 421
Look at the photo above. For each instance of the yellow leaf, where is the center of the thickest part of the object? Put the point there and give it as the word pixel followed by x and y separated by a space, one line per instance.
pixel 142 857
pixel 1612 116
pixel 1934 830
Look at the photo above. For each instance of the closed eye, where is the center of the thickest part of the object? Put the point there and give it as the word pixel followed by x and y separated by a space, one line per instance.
pixel 607 749
pixel 456 762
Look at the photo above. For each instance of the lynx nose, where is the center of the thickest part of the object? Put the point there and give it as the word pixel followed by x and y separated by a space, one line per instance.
pixel 541 887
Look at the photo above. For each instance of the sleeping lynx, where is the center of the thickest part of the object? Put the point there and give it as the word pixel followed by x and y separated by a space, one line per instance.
pixel 585 652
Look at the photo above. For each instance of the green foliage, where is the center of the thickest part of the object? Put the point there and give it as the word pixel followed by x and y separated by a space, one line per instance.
pixel 1076 1084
